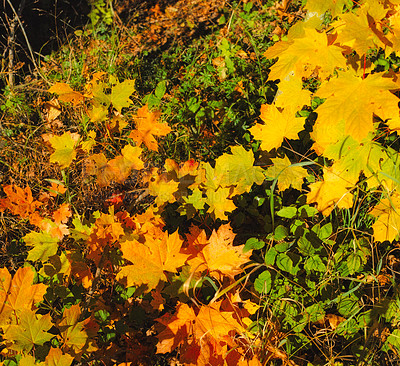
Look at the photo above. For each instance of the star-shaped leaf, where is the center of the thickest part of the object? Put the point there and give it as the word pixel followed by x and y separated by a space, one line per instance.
pixel 278 125
pixel 31 330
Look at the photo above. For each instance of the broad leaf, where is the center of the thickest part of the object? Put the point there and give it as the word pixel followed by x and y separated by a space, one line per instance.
pixel 64 147
pixel 151 259
pixel 278 126
pixel 30 331
pixel 44 246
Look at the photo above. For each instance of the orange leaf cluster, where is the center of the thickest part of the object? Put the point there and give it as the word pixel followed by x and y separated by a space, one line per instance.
pixel 207 336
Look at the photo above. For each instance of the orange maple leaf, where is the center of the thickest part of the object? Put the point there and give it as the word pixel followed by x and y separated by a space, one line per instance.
pixel 18 292
pixel 19 201
pixel 62 214
pixel 151 259
pixel 218 255
pixel 147 128
pixel 203 336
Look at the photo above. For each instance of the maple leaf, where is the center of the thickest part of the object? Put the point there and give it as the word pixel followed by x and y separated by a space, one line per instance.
pixel 19 201
pixel 162 188
pixel 147 128
pixel 212 322
pixel 106 231
pixel 44 246
pixel 286 174
pixel 62 214
pixel 120 94
pixel 347 99
pixel 352 157
pixel 56 357
pixel 239 170
pixel 178 328
pixel 196 199
pixel 357 30
pixel 304 56
pixel 30 331
pixel 326 134
pixel 333 191
pixel 334 6
pixel 278 125
pixel 122 165
pixel 217 254
pixel 151 259
pixel 74 333
pixel 97 165
pixel 291 94
pixel 387 225
pixel 64 147
pixel 66 94
pixel 219 202
pixel 18 292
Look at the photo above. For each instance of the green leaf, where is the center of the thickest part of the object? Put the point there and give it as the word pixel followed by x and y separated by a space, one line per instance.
pixel 253 243
pixel 314 264
pixel 315 312
pixel 354 262
pixel 307 211
pixel 281 232
pixel 394 340
pixel 287 212
pixel 263 282
pixel 288 262
pixel 160 89
pixel 326 231
pixel 44 246
pixel 270 257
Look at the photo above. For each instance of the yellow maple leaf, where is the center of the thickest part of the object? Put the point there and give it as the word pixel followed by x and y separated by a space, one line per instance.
pixel 291 94
pixel 286 174
pixel 219 202
pixel 356 100
pixel 333 191
pixel 278 125
pixel 238 170
pixel 356 29
pixel 305 56
pixel 387 226
pixel 320 7
pixel 64 147
pixel 162 188
pixel 147 127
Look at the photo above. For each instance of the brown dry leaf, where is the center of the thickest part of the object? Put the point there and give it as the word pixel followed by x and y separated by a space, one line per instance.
pixel 334 320
pixel 52 110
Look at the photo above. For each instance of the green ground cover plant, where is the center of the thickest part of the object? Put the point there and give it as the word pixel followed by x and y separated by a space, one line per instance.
pixel 228 198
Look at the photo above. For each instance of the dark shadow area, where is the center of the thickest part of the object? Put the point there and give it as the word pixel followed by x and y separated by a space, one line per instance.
pixel 36 27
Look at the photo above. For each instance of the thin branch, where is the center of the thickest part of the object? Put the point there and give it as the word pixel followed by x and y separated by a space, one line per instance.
pixel 16 16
